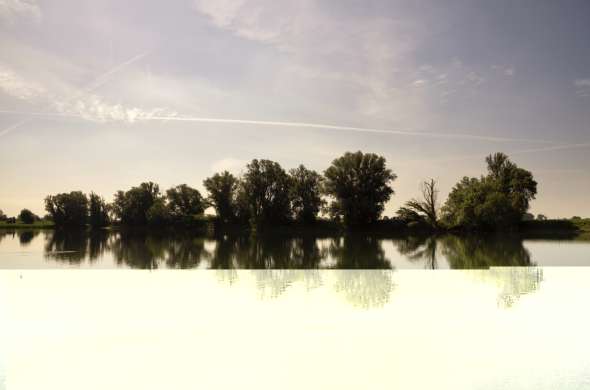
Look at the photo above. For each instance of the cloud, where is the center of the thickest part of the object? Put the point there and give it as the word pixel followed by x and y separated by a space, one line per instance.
pixel 14 85
pixel 11 10
pixel 581 83
pixel 96 109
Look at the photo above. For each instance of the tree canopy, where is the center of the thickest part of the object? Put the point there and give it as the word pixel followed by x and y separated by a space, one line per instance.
pixel 266 192
pixel 497 200
pixel 306 194
pixel 360 186
pixel 68 209
pixel 185 201
pixel 27 216
pixel 132 206
pixel 222 188
pixel 98 211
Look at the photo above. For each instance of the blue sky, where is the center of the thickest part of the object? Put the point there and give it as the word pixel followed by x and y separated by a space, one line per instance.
pixel 103 95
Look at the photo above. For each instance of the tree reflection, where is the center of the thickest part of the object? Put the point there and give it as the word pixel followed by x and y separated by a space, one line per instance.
pixel 26 236
pixel 420 248
pixel 186 253
pixel 365 278
pixel 68 246
pixel 138 249
pixel 358 252
pixel 473 252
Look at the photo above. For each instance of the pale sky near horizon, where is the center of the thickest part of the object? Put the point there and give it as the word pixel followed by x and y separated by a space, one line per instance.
pixel 104 95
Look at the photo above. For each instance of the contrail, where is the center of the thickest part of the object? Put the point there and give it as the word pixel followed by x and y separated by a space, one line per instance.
pixel 309 125
pixel 522 151
pixel 345 128
pixel 99 81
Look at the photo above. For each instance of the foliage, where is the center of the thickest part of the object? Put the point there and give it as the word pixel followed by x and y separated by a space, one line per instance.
pixel 222 189
pixel 359 184
pixel 27 216
pixel 423 211
pixel 68 209
pixel 185 202
pixel 159 213
pixel 541 217
pixel 3 216
pixel 497 200
pixel 131 207
pixel 98 211
pixel 306 194
pixel 264 192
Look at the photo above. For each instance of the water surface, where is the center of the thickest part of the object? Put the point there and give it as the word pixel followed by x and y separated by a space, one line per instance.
pixel 42 249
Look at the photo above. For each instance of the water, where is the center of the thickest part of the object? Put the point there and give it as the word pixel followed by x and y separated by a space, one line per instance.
pixel 42 249
pixel 265 312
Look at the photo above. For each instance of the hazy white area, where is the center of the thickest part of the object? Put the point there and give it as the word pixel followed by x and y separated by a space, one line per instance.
pixel 506 328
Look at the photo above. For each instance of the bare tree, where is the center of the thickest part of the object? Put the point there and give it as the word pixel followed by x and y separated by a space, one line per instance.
pixel 425 210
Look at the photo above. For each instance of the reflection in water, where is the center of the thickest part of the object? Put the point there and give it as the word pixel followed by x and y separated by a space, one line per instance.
pixel 26 236
pixel 512 282
pixel 75 246
pixel 365 289
pixel 475 252
pixel 420 248
pixel 145 249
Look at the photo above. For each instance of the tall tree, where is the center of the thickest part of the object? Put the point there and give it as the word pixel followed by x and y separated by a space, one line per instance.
pixel 184 201
pixel 68 209
pixel 360 186
pixel 306 194
pixel 3 216
pixel 266 189
pixel 222 188
pixel 27 216
pixel 98 211
pixel 132 206
pixel 498 200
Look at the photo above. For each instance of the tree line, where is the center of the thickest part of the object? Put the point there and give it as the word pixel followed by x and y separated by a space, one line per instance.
pixel 353 190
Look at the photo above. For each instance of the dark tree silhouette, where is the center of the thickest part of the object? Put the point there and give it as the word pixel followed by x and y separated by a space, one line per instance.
pixel 359 183
pixel 185 202
pixel 27 216
pixel 68 209
pixel 423 211
pixel 306 194
pixel 222 189
pixel 265 192
pixel 98 211
pixel 131 207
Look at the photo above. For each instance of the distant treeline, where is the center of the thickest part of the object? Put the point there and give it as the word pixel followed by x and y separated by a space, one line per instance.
pixel 352 191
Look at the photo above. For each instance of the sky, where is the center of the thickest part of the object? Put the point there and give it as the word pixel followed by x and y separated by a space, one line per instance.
pixel 100 96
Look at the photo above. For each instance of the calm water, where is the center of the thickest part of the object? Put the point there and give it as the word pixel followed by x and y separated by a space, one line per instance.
pixel 41 249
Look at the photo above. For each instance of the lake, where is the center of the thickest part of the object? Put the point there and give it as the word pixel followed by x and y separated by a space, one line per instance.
pixel 41 249
pixel 298 312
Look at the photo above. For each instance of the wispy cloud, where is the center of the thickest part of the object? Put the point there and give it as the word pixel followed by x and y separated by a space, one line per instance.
pixel 582 87
pixel 11 10
pixel 16 86
pixel 80 104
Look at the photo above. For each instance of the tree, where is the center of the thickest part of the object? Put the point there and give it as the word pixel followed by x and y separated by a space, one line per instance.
pixel 68 209
pixel 359 184
pixel 159 213
pixel 306 194
pixel 265 192
pixel 497 200
pixel 3 216
pixel 425 210
pixel 541 217
pixel 27 216
pixel 184 201
pixel 131 207
pixel 98 211
pixel 222 188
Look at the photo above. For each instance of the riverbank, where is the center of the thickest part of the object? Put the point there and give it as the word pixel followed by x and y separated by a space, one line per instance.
pixel 563 228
